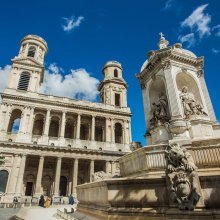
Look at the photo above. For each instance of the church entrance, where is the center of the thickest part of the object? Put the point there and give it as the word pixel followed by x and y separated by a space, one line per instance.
pixel 29 188
pixel 63 185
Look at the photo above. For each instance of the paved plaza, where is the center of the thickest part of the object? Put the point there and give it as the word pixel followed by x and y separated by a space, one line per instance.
pixel 33 213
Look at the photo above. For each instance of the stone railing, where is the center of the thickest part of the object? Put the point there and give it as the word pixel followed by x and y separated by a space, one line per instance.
pixel 152 158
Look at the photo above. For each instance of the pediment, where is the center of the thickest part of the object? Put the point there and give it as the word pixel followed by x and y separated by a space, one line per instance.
pixel 27 61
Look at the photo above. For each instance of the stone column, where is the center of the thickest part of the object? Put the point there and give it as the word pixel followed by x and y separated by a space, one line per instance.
pixel 108 168
pixel 39 176
pixel 31 121
pixel 125 132
pixel 113 130
pixel 7 118
pixel 103 134
pixel 172 93
pixel 12 180
pixel 18 188
pixel 107 136
pixel 208 103
pixel 93 128
pixel 78 126
pixel 113 167
pixel 63 124
pixel 91 170
pixel 47 123
pixel 75 176
pixel 130 135
pixel 57 176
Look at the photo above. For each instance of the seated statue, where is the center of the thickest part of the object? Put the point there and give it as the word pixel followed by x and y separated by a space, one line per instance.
pixel 190 105
pixel 160 112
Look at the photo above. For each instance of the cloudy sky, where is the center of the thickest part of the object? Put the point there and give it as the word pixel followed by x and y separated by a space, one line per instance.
pixel 83 35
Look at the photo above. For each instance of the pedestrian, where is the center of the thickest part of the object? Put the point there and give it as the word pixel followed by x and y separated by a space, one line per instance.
pixel 47 202
pixel 51 201
pixel 15 201
pixel 71 200
pixel 41 201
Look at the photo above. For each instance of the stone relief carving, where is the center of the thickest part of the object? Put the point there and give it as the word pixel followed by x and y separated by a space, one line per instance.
pixel 182 178
pixel 101 175
pixel 160 115
pixel 190 105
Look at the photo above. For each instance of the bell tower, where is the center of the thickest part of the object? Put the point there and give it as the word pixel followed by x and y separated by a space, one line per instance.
pixel 28 67
pixel 113 88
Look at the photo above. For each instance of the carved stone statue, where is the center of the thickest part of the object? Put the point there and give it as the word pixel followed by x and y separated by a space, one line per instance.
pixel 160 115
pixel 182 178
pixel 190 105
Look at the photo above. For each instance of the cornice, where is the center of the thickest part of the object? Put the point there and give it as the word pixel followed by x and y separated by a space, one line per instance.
pixel 63 104
pixel 60 149
pixel 115 81
pixel 166 57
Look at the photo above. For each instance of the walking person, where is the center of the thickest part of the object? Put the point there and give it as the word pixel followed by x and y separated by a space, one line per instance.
pixel 15 201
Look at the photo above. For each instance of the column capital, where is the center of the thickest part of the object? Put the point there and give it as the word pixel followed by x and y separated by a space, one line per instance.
pixel 41 157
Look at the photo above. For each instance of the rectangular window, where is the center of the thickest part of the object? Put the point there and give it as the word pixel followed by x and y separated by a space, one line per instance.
pixel 117 99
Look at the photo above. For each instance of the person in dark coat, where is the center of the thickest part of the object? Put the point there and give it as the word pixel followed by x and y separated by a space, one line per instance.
pixel 71 200
pixel 41 201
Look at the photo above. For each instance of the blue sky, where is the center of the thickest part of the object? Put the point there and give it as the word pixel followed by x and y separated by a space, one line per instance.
pixel 83 35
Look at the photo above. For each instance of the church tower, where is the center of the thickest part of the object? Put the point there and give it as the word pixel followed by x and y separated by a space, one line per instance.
pixel 113 88
pixel 28 67
pixel 176 100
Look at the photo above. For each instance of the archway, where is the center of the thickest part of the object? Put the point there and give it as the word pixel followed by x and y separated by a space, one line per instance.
pixel 54 127
pixel 14 123
pixel 38 125
pixel 29 185
pixel 3 180
pixel 63 186
pixel 47 184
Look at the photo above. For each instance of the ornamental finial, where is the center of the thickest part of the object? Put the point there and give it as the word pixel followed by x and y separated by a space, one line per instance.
pixel 163 43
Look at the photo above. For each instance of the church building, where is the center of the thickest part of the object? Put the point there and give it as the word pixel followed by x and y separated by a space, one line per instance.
pixel 51 144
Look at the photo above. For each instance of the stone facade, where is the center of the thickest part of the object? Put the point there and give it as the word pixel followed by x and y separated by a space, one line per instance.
pixel 58 142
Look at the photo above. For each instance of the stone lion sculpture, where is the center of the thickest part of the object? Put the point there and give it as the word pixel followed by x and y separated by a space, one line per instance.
pixel 182 178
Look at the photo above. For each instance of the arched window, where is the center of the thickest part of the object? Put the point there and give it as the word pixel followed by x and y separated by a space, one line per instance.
pixel 54 127
pixel 38 125
pixel 115 73
pixel 118 133
pixel 4 180
pixel 69 129
pixel 31 51
pixel 14 122
pixel 24 81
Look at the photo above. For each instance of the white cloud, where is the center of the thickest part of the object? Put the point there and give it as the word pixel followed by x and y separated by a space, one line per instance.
pixel 4 75
pixel 168 4
pixel 215 51
pixel 72 23
pixel 189 39
pixel 198 21
pixel 77 84
pixel 216 29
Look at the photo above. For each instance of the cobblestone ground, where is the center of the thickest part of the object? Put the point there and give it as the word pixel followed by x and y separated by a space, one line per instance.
pixel 7 213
